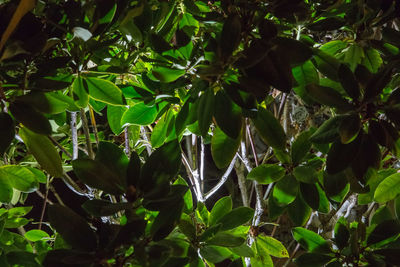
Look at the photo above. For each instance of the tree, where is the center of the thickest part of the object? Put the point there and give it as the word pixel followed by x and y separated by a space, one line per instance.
pixel 199 133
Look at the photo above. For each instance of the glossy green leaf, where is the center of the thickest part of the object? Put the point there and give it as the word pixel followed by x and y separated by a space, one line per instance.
pixel 272 246
pixel 342 233
pixel 388 189
pixel 7 131
pixel 223 148
pixel 349 128
pixel 384 230
pixel 214 254
pixel 285 190
pixel 205 111
pixel 235 218
pixel 114 115
pixel 262 257
pixel 299 212
pixel 242 250
pixel 167 75
pixel 349 82
pixel 80 92
pixel 328 96
pixel 327 64
pixel 221 207
pixel 372 60
pixel 44 151
pixel 230 35
pixel 97 175
pixel 300 147
pixel 266 173
pixel 20 178
pixel 328 131
pixel 311 241
pixel 104 91
pixel 99 208
pixel 31 118
pixel 36 235
pixel 305 174
pixel 227 115
pixel 224 239
pixel 160 131
pixel 6 190
pixel 312 260
pixel 140 114
pixel 45 103
pixel 270 129
pixel 86 239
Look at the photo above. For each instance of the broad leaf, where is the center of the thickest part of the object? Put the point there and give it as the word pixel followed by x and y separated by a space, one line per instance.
pixel 221 207
pixel 44 152
pixel 266 173
pixel 114 115
pixel 235 218
pixel 311 241
pixel 388 189
pixel 140 114
pixel 20 178
pixel 270 129
pixel 223 148
pixel 205 111
pixel 104 91
pixel 86 239
pixel 272 246
pixel 285 190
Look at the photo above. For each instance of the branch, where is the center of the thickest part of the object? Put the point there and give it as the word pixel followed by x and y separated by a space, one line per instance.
pixel 201 171
pixel 193 178
pixel 223 179
pixel 127 149
pixel 87 134
pixel 74 136
pixel 60 146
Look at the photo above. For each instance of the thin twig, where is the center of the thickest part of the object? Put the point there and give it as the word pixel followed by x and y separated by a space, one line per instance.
pixel 87 134
pixel 60 146
pixel 93 121
pixel 202 158
pixel 223 179
pixel 56 195
pixel 72 185
pixel 44 204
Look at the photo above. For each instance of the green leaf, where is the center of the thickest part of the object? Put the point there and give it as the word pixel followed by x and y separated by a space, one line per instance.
pixel 96 174
pixel 20 178
pixel 224 239
pixel 112 157
pixel 99 208
pixel 262 257
pixel 214 254
pixel 328 131
pixel 285 190
pixel 310 195
pixel 45 103
pixel 230 36
pixel 304 75
pixel 272 246
pixel 270 129
pixel 383 231
pixel 114 115
pixel 166 220
pixel 223 148
pixel 353 56
pixel 298 211
pixel 159 169
pixel 31 118
pixel 140 114
pixel 294 51
pixel 243 250
pixel 68 228
pixel 44 151
pixel 227 115
pixel 221 207
pixel 328 96
pixel 388 189
pixel 327 64
pixel 340 156
pixel 266 173
pixel 104 91
pixel 342 233
pixel 80 92
pixel 305 174
pixel 167 75
pixel 348 80
pixel 235 218
pixel 311 241
pixel 349 128
pixel 372 60
pixel 300 147
pixel 313 260
pixel 7 131
pixel 205 111
pixel 6 191
pixel 36 235
pixel 160 131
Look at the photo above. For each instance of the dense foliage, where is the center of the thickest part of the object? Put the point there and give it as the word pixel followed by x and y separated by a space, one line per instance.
pixel 199 133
